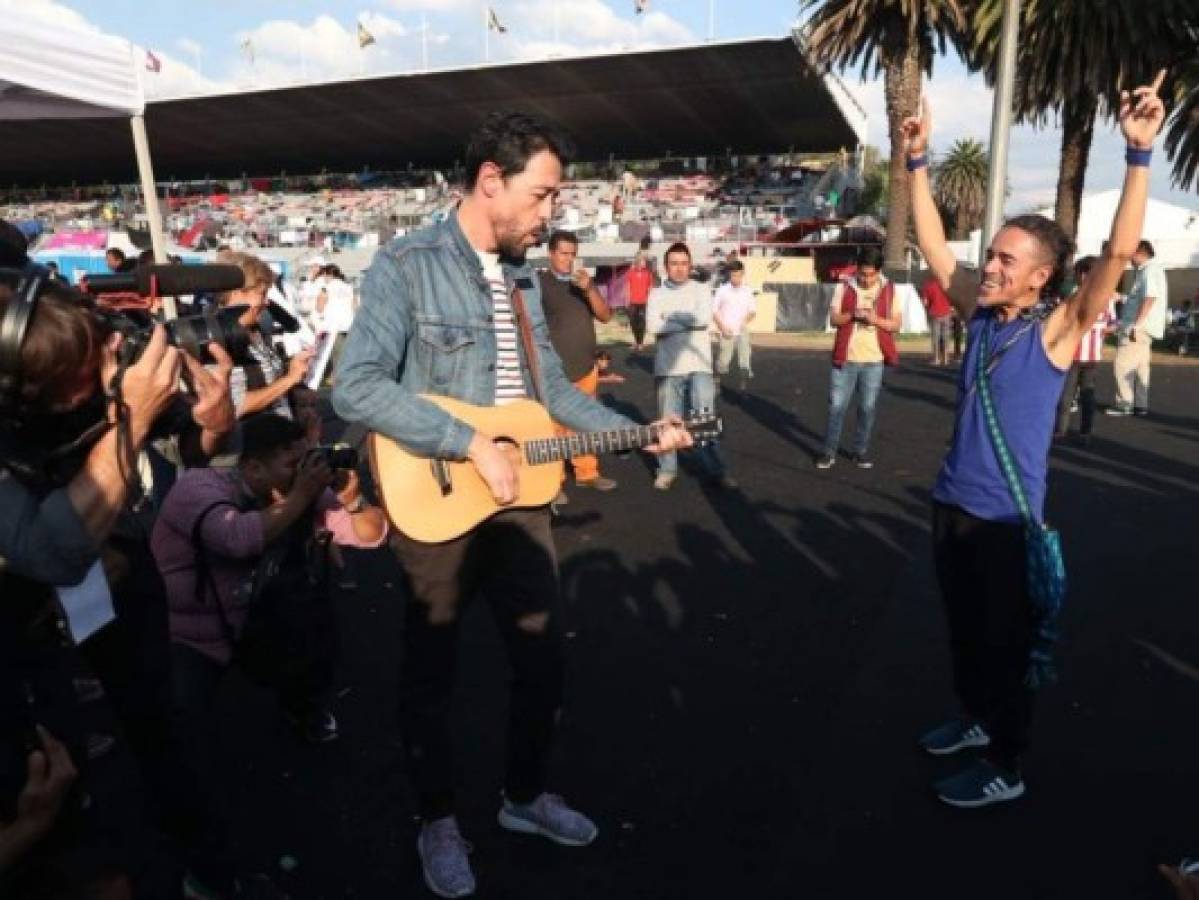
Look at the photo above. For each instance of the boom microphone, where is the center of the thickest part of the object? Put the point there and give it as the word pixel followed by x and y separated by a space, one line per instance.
pixel 168 280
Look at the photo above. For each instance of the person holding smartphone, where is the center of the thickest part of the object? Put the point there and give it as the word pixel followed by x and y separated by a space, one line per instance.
pixel 866 317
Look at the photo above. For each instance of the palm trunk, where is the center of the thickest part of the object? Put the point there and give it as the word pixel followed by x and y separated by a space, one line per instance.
pixel 901 88
pixel 1078 127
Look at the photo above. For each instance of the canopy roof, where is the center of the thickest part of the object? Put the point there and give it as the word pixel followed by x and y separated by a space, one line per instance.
pixel 744 97
pixel 55 73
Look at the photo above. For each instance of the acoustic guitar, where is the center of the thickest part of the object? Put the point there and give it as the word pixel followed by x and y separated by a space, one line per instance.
pixel 434 500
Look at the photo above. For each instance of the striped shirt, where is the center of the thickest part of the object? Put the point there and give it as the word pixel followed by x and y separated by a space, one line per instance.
pixel 1091 348
pixel 509 383
pixel 273 368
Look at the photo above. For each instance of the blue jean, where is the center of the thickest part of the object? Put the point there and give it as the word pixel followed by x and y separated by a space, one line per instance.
pixel 673 391
pixel 867 378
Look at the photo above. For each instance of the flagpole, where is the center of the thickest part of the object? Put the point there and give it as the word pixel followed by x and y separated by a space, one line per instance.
pixel 304 55
pixel 424 42
pixel 486 35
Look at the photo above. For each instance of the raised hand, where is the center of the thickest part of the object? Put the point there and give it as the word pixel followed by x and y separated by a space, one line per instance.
pixel 213 410
pixel 917 129
pixel 1142 113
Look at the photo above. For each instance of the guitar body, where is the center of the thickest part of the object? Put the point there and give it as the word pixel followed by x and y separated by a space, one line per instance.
pixel 413 496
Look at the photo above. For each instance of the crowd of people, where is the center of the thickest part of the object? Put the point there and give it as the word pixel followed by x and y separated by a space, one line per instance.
pixel 167 515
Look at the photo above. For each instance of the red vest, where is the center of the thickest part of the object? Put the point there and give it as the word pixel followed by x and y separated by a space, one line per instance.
pixel 882 306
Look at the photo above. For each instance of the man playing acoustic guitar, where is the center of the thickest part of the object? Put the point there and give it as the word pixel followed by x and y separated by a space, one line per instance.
pixel 442 314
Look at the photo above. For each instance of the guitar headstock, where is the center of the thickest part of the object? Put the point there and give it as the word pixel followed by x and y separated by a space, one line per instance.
pixel 703 425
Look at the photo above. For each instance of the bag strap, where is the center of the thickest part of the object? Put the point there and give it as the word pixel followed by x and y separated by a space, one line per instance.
pixel 526 339
pixel 998 441
pixel 204 576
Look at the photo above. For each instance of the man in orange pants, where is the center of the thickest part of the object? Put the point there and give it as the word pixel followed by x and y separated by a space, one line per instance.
pixel 572 306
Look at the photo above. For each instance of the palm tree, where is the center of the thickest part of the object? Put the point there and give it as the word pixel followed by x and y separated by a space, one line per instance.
pixel 1074 56
pixel 900 39
pixel 1182 139
pixel 960 186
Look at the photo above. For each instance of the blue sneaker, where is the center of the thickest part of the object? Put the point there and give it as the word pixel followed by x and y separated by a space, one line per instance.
pixel 550 817
pixel 955 735
pixel 443 858
pixel 982 784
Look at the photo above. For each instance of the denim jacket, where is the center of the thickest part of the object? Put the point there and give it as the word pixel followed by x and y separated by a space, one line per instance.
pixel 426 326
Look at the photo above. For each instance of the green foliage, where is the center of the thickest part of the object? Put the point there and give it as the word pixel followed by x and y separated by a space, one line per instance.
pixel 1182 135
pixel 960 187
pixel 871 33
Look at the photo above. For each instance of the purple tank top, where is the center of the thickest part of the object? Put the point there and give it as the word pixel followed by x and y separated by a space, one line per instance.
pixel 1025 386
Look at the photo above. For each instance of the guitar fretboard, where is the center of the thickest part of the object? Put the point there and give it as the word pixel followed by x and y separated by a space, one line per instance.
pixel 589 443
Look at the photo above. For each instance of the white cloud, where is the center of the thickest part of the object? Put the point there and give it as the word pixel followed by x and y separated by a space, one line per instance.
pixel 541 28
pixel 178 79
pixel 433 6
pixel 187 45
pixel 289 52
pixel 961 108
pixel 51 13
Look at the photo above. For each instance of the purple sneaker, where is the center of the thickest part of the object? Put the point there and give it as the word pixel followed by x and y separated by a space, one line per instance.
pixel 443 858
pixel 550 817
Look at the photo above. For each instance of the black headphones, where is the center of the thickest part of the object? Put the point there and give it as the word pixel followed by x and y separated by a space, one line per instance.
pixel 13 327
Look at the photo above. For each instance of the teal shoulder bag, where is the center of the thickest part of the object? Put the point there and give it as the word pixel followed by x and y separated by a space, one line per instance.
pixel 1045 566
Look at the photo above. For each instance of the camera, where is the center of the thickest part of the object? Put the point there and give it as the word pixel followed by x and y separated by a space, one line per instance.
pixel 337 456
pixel 191 334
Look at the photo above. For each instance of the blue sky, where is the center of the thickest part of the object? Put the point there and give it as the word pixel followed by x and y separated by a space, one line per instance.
pixel 201 46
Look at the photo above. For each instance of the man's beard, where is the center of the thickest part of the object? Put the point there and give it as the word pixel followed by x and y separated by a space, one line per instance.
pixel 510 240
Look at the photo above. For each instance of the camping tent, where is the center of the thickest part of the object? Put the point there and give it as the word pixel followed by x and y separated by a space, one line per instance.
pixel 58 73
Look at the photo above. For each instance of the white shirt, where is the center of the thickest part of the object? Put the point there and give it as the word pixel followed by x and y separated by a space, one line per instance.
pixel 1150 281
pixel 732 306
pixel 338 314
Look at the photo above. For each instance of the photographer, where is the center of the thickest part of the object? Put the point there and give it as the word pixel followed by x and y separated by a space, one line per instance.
pixel 260 385
pixel 73 423
pixel 244 554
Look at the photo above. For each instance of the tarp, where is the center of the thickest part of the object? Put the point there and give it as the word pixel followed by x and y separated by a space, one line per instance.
pixel 59 73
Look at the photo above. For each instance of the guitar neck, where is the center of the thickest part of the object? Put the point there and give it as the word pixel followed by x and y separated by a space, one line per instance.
pixel 590 443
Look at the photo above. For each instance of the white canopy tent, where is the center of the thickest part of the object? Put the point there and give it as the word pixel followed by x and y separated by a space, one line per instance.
pixel 48 72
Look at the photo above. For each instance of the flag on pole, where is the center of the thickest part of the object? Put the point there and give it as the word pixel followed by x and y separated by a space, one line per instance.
pixel 247 47
pixel 153 63
pixel 365 38
pixel 640 6
pixel 493 22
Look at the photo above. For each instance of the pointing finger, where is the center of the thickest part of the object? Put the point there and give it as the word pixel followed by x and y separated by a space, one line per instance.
pixel 1157 82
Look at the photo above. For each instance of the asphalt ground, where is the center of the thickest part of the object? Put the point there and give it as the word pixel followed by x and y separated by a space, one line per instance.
pixel 748 672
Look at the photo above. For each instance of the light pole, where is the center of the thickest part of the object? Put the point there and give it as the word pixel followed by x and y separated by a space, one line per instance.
pixel 1001 125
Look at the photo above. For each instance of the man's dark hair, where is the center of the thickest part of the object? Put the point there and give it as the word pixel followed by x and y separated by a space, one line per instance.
pixel 1146 248
pixel 646 242
pixel 1083 266
pixel 63 339
pixel 676 247
pixel 735 265
pixel 559 236
pixel 116 253
pixel 14 246
pixel 264 435
pixel 870 258
pixel 1055 242
pixel 509 140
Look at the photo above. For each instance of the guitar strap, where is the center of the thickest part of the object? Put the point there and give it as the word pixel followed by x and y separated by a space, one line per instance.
pixel 526 339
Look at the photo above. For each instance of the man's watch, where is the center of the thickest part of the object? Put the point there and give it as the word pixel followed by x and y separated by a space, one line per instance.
pixel 357 506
